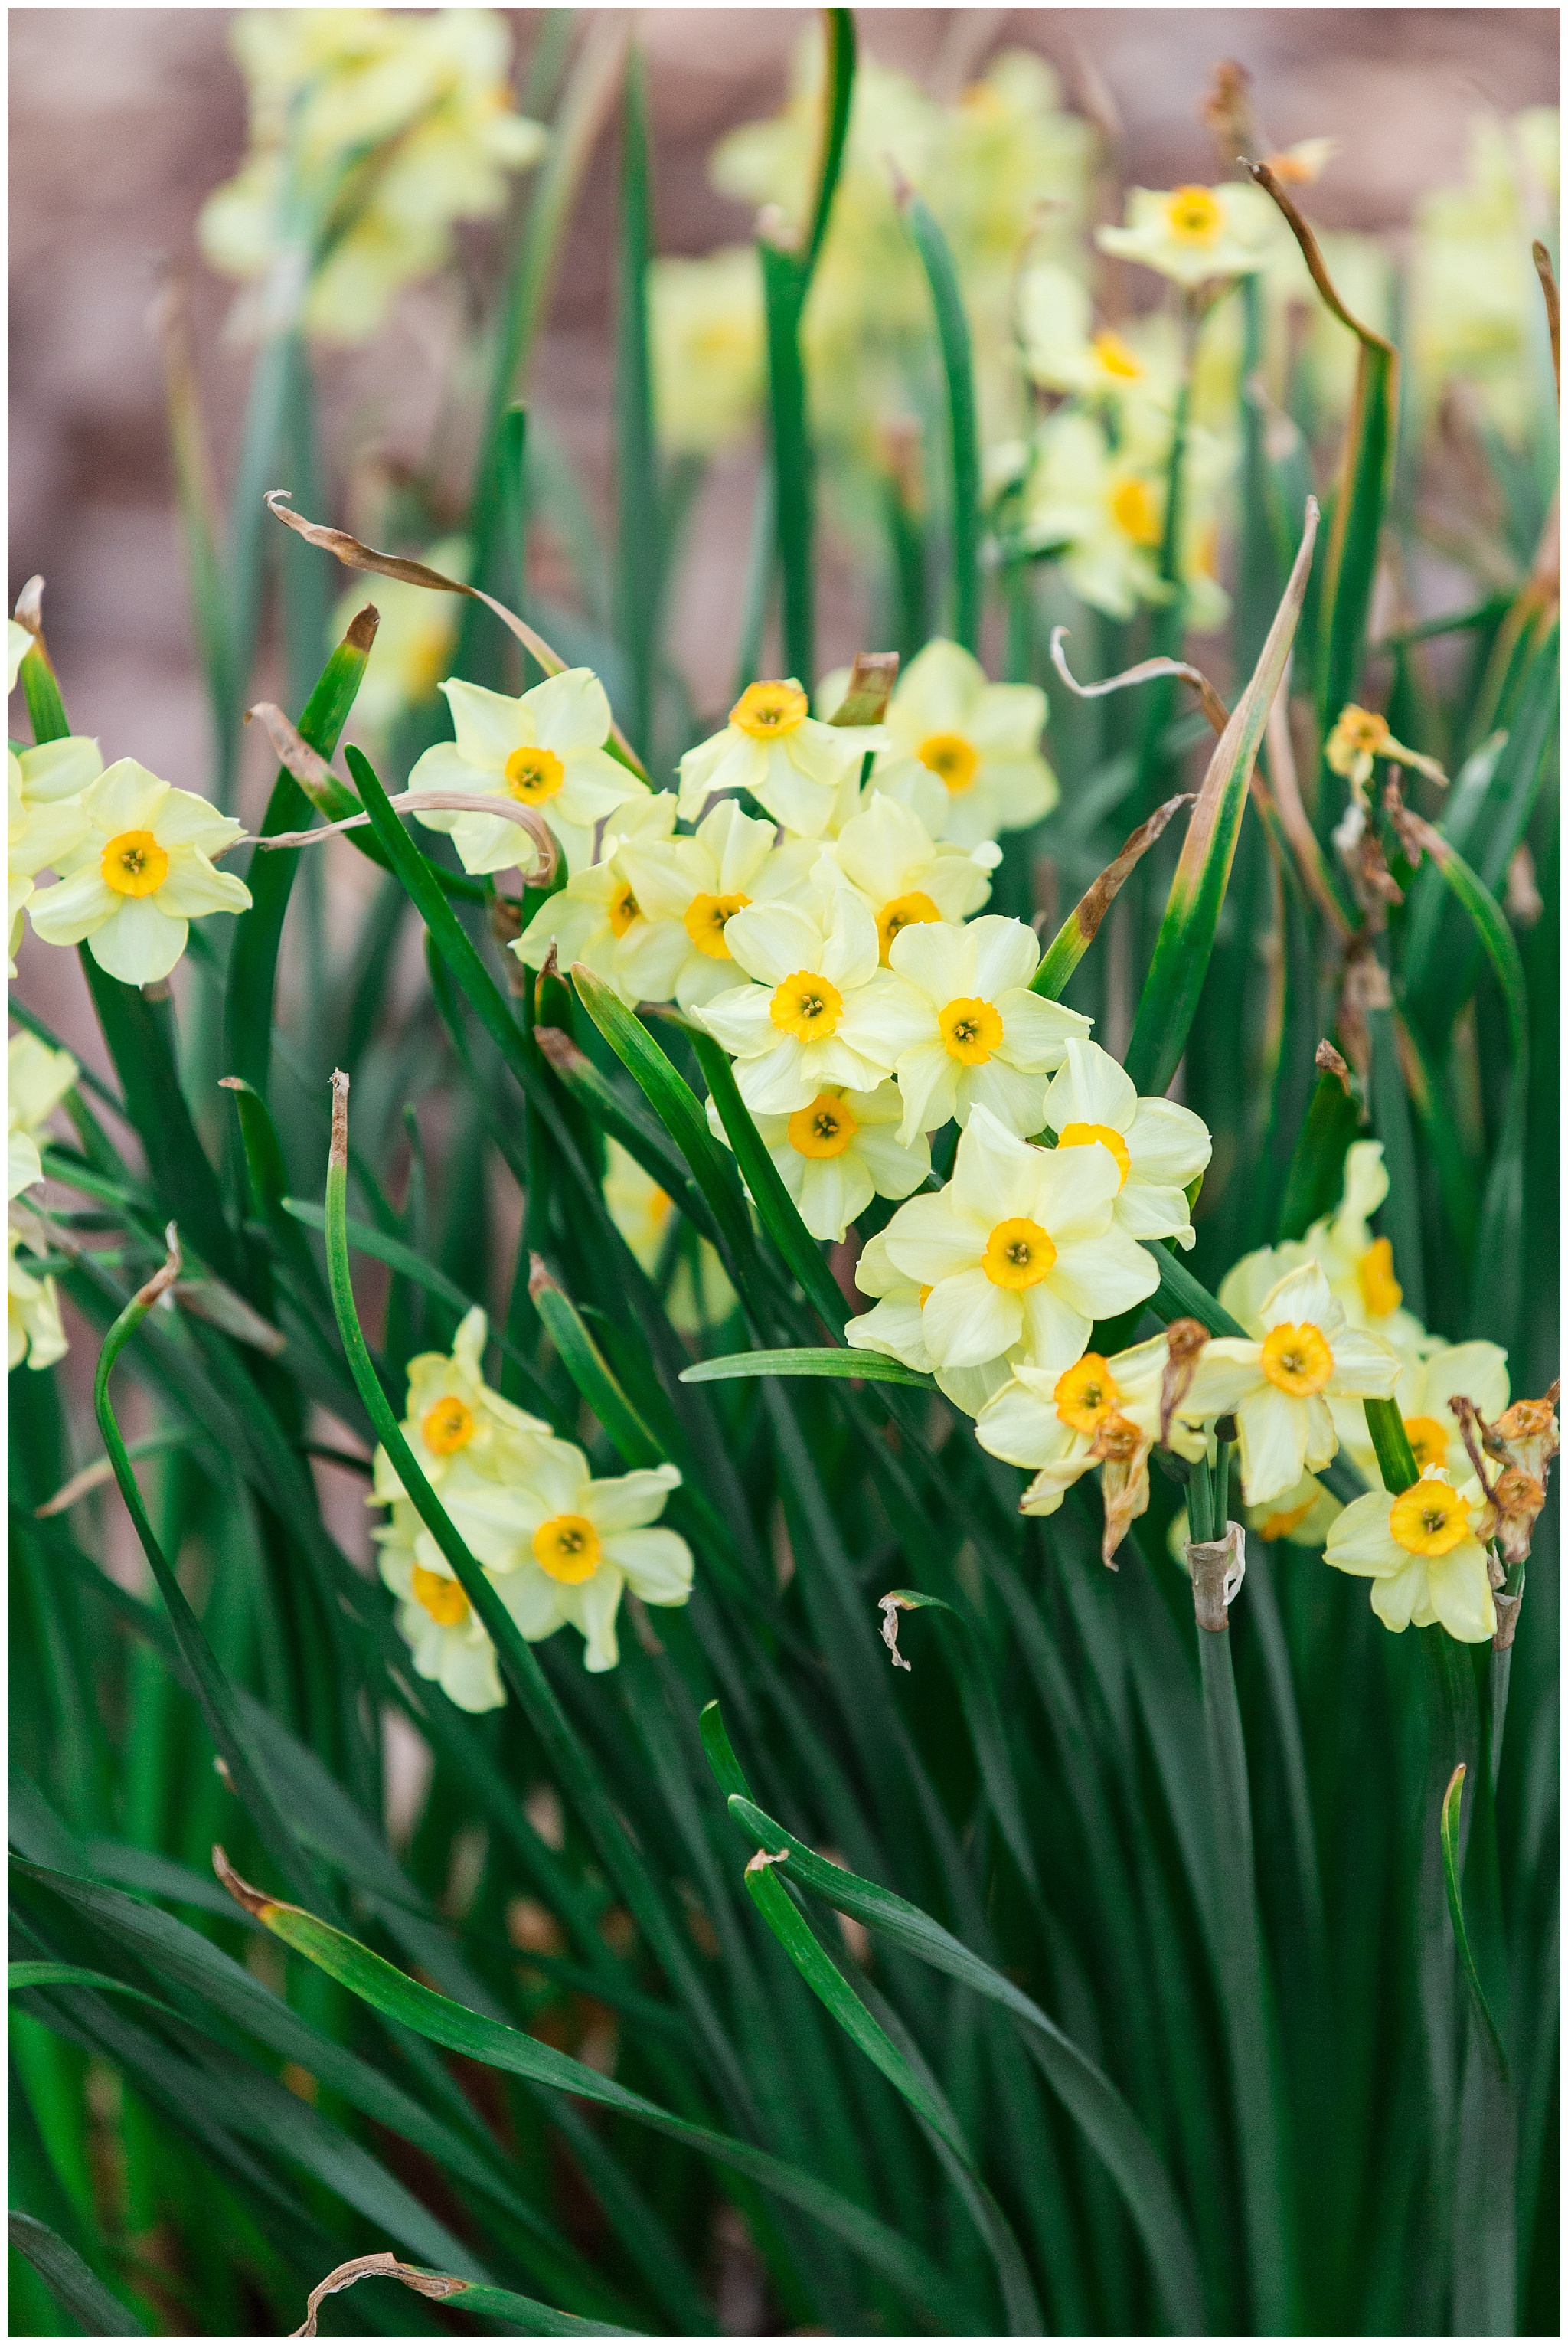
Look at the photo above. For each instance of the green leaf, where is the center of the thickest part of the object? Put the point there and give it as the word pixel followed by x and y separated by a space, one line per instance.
pixel 442 2021
pixel 1170 995
pixel 875 1366
pixel 1366 475
pixel 964 435
pixel 1093 2102
pixel 590 1372
pixel 523 2315
pixel 1452 1801
pixel 253 962
pixel 776 1208
pixel 793 460
pixel 1317 1170
pixel 77 2286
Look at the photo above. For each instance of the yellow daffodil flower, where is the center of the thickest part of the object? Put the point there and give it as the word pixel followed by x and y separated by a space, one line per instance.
pixel 1019 1248
pixel 1422 1553
pixel 1304 1515
pixel 1430 1381
pixel 811 1018
pixel 452 1414
pixel 37 1081
pixel 447 1642
pixel 1161 1148
pixel 963 1029
pixel 895 1326
pixel 601 918
pixel 372 131
pixel 964 753
pixel 33 1331
pixel 545 750
pixel 1064 1421
pixel 139 875
pixel 708 348
pixel 800 770
pixel 1360 736
pixel 1188 234
pixel 838 1151
pixel 695 1298
pixel 580 1543
pixel 38 837
pixel 887 854
pixel 1060 349
pixel 1279 1390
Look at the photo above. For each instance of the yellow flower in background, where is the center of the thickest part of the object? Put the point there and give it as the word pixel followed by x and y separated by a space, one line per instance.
pixel 1421 1552
pixel 1360 1266
pixel 1188 234
pixel 1101 507
pixel 372 131
pixel 1358 738
pixel 707 345
pixel 964 753
pixel 544 748
pixel 413 645
pixel 37 1081
pixel 33 1331
pixel 140 874
pixel 1063 350
pixel 804 773
pixel 838 1151
pixel 644 1213
pixel 448 1644
pixel 1429 1384
pixel 1476 310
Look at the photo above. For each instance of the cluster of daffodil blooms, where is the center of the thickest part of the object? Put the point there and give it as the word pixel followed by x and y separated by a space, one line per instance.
pixel 557 1545
pixel 37 1081
pixel 372 130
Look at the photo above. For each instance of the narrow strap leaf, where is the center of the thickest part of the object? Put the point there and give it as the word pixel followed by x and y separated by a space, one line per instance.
pixel 73 2282
pixel 1451 1802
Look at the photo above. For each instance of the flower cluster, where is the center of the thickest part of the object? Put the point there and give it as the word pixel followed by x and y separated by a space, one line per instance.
pixel 372 130
pixel 556 1545
pixel 36 1080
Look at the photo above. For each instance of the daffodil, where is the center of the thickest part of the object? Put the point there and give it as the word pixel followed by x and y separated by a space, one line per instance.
pixel 37 1081
pixel 545 749
pixel 448 1644
pixel 1429 1382
pixel 33 1328
pixel 39 837
pixel 372 131
pixel 1305 1515
pixel 1159 1147
pixel 708 348
pixel 1360 1266
pixel 1360 736
pixel 964 1029
pixel 699 1293
pixel 813 1017
pixel 453 1414
pixel 139 875
pixel 1188 234
pixel 1019 1248
pixel 1279 1390
pixel 885 852
pixel 582 1542
pixel 839 1150
pixel 1422 1554
pixel 800 770
pixel 1064 1421
pixel 895 1326
pixel 1060 348
pixel 1100 512
pixel 964 753
pixel 413 642
pixel 599 917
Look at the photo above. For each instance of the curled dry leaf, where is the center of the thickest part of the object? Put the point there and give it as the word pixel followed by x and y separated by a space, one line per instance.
pixel 355 555
pixel 892 1606
pixel 1328 1060
pixel 1184 1340
pixel 383 2266
pixel 1213 708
